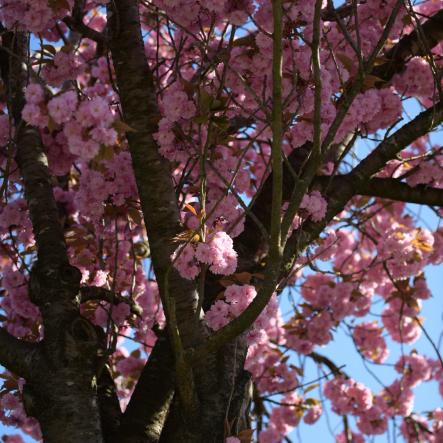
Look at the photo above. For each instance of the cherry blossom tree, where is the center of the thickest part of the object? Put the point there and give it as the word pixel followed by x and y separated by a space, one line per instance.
pixel 195 196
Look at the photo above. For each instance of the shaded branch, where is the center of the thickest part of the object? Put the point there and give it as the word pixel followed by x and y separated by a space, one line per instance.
pixel 410 46
pixel 145 415
pixel 18 356
pixel 389 188
pixel 344 189
pixel 158 202
pixel 59 388
pixel 109 405
pixel 389 148
pixel 152 173
pixel 75 23
pixel 323 360
pixel 96 293
pixel 32 161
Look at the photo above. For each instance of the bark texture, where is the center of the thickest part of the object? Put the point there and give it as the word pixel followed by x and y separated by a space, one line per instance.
pixel 60 388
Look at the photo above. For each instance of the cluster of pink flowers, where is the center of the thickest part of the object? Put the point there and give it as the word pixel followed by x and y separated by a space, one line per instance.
pixel 348 396
pixel 418 428
pixel 86 125
pixel 236 299
pixel 13 414
pixel 315 205
pixel 176 105
pixel 22 314
pixel 15 215
pixel 283 419
pixel 343 438
pixel 114 184
pixel 32 15
pixel 414 369
pixel 406 251
pixel 64 66
pixel 396 399
pixel 369 339
pixel 428 172
pixel 417 80
pixel 217 252
pixel 372 411
pixel 327 303
pixel 189 13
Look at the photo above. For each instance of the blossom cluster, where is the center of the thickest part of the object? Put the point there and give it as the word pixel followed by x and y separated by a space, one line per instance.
pixel 217 252
pixel 86 124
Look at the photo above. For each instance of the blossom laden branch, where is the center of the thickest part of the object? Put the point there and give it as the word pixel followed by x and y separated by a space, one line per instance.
pixel 389 148
pixel 411 45
pixel 33 162
pixel 154 182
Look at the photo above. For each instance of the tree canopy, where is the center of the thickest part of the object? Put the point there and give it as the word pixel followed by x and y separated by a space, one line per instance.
pixel 197 196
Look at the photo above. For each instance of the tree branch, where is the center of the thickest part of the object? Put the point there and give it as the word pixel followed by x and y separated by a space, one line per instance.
pixel 154 181
pixel 146 413
pixel 18 356
pixel 33 162
pixel 323 360
pixel 75 23
pixel 345 189
pixel 389 188
pixel 97 293
pixel 410 46
pixel 156 191
pixel 250 245
pixel 389 148
pixel 59 387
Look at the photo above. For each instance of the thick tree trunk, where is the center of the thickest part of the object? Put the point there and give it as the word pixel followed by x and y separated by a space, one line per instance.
pixel 220 377
pixel 221 383
pixel 60 388
pixel 65 404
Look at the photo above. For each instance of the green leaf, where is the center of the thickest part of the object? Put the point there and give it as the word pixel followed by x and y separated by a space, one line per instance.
pixel 311 387
pixel 312 402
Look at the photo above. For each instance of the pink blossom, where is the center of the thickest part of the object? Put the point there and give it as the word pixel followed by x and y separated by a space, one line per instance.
pixel 368 337
pixel 313 414
pixel 34 94
pixel 218 252
pixel 33 115
pixel 61 108
pixel 315 205
pixel 185 261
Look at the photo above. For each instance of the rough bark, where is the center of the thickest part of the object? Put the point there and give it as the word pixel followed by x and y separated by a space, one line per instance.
pixel 60 385
pixel 146 413
pixel 157 196
pixel 154 181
